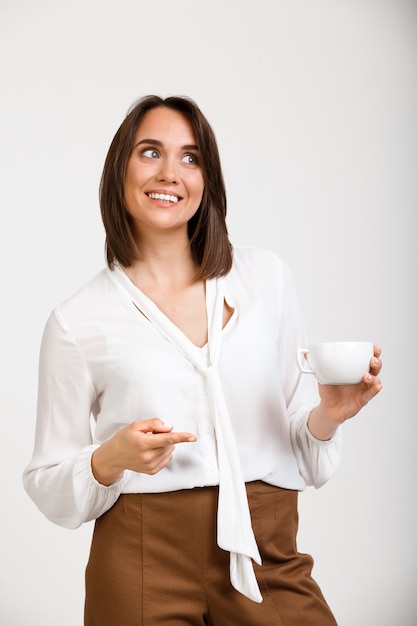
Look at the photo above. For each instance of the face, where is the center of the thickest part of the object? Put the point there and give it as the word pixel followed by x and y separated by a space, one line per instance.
pixel 164 181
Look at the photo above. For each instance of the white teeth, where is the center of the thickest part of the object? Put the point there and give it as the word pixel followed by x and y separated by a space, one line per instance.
pixel 163 196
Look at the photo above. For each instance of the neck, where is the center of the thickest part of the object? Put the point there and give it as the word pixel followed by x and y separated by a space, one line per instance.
pixel 165 264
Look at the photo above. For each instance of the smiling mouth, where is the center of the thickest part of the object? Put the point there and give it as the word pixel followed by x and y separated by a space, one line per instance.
pixel 164 197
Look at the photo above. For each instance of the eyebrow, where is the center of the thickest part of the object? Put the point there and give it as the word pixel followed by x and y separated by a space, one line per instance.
pixel 156 142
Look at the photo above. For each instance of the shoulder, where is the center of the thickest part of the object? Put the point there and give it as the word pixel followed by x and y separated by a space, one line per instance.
pixel 97 287
pixel 257 274
pixel 90 301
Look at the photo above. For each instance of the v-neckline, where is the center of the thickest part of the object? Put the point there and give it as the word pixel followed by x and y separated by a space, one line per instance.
pixel 147 307
pixel 234 531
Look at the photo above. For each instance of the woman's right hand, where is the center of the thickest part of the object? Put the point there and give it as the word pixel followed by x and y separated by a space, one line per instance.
pixel 145 446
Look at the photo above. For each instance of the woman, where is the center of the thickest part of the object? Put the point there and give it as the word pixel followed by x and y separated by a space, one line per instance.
pixel 183 349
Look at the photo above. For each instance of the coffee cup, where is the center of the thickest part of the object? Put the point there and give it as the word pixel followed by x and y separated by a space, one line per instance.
pixel 337 362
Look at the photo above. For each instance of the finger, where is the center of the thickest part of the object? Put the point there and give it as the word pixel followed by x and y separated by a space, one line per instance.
pixel 157 462
pixel 163 440
pixel 159 451
pixel 153 425
pixel 371 392
pixel 372 382
pixel 375 366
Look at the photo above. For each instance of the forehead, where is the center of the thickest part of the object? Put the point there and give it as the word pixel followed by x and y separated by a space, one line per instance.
pixel 166 125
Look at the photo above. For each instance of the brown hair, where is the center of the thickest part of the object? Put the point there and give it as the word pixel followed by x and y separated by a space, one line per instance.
pixel 207 230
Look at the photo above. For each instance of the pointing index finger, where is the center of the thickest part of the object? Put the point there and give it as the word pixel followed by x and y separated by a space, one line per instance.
pixel 160 440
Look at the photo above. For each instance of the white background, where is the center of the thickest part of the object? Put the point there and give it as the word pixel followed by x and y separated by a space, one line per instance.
pixel 314 106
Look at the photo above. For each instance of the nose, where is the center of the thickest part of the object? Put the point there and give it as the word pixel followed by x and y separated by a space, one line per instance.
pixel 168 171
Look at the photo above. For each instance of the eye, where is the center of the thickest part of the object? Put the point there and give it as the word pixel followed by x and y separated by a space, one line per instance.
pixel 151 153
pixel 190 159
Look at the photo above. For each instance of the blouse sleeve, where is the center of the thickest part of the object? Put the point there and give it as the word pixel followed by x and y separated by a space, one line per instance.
pixel 59 478
pixel 317 460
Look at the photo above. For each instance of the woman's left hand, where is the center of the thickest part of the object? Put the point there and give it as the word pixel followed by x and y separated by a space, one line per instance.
pixel 341 402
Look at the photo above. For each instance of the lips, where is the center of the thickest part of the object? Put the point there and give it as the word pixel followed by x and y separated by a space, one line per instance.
pixel 164 197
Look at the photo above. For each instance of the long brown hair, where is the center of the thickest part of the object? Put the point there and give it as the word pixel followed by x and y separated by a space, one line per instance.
pixel 207 230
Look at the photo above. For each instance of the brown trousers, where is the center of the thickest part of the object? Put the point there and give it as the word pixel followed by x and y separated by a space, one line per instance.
pixel 155 562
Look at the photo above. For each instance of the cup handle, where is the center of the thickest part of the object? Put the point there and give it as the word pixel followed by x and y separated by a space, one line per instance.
pixel 302 361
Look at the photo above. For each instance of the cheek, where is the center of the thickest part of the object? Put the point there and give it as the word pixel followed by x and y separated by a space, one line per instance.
pixel 197 187
pixel 131 190
pixel 135 178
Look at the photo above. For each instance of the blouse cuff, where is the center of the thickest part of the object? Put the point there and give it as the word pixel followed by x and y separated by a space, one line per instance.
pixel 318 460
pixel 92 499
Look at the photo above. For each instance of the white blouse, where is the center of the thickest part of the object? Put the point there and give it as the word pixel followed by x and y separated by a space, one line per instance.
pixel 110 353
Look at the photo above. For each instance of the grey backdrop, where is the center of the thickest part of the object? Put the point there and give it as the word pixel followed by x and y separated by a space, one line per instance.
pixel 314 107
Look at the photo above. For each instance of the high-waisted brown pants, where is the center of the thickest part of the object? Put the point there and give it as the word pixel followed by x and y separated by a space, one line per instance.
pixel 155 562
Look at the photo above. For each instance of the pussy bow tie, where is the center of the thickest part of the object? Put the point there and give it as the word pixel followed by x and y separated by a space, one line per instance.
pixel 234 532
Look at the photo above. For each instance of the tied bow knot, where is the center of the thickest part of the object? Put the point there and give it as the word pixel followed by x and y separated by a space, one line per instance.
pixel 234 532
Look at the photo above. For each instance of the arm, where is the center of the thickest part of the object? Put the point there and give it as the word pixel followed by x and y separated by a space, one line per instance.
pixel 59 478
pixel 70 479
pixel 317 459
pixel 315 417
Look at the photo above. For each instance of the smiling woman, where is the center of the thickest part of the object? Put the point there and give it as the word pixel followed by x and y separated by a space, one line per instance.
pixel 164 183
pixel 207 230
pixel 197 524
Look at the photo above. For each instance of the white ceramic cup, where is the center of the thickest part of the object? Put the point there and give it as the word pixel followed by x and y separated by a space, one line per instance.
pixel 337 362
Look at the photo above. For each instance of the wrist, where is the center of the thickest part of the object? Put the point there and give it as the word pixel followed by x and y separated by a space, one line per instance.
pixel 105 468
pixel 320 425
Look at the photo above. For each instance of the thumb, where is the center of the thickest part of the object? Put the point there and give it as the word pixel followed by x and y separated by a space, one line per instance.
pixel 154 425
